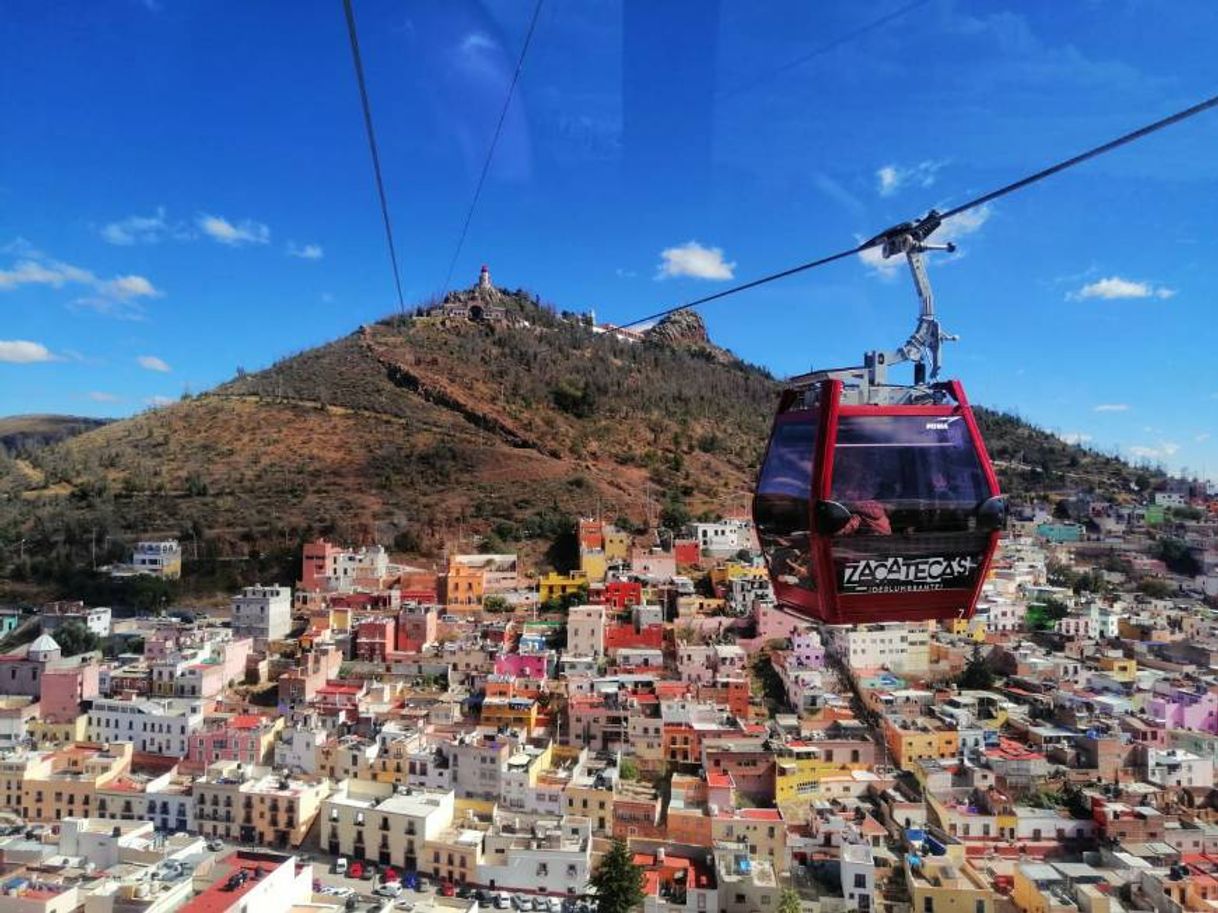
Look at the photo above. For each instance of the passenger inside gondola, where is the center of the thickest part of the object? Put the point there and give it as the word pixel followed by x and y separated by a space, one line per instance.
pixel 781 503
pixel 856 488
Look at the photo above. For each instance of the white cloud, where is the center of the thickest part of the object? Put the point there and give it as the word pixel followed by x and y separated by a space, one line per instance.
pixel 891 178
pixel 99 396
pixel 1160 451
pixel 962 225
pixel 220 229
pixel 1075 437
pixel 1112 407
pixel 693 260
pixel 152 363
pixel 1202 437
pixel 117 296
pixel 476 42
pixel 137 229
pixel 158 400
pixel 1114 288
pixel 23 352
pixel 306 251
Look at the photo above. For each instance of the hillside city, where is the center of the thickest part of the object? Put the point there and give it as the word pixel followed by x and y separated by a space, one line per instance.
pixel 378 735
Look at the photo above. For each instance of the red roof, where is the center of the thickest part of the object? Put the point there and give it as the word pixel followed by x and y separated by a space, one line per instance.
pixel 718 779
pixel 217 898
pixel 246 721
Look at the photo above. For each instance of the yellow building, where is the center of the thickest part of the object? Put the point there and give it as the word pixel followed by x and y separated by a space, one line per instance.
pixel 1039 886
pixel 453 855
pixel 555 586
pixel 974 628
pixel 722 575
pixel 47 734
pixel 512 712
pixel 253 805
pixel 949 884
pixel 463 586
pixel 911 740
pixel 593 564
pixel 617 545
pixel 64 783
pixel 763 829
pixel 1119 668
pixel 800 768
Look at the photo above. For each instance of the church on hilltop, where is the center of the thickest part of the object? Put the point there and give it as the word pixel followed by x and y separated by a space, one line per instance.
pixel 481 304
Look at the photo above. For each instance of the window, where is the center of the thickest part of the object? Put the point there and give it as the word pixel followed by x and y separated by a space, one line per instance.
pixel 860 880
pixel 928 905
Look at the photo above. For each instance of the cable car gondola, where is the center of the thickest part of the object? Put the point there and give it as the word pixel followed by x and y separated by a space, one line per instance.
pixel 878 501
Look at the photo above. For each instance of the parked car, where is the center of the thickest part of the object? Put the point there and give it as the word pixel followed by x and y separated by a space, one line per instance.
pixel 424 884
pixel 405 904
pixel 502 901
pixel 484 898
pixel 464 891
pixel 539 904
pixel 554 905
pixel 388 889
pixel 447 889
pixel 356 869
pixel 340 865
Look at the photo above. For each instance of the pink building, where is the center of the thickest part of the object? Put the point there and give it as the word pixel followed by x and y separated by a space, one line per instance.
pixel 246 738
pixel 319 561
pixel 299 685
pixel 375 638
pixel 775 623
pixel 1180 708
pixel 656 565
pixel 522 665
pixel 64 689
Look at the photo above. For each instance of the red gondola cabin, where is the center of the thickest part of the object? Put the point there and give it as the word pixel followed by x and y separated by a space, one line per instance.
pixel 871 513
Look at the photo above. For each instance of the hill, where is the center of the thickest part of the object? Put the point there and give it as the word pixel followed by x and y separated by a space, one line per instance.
pixel 24 432
pixel 440 429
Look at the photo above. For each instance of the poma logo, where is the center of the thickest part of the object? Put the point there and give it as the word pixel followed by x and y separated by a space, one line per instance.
pixel 942 424
pixel 908 573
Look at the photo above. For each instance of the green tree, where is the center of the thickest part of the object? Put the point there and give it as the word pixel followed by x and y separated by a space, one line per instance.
pixel 74 638
pixel 789 902
pixel 618 881
pixel 976 674
pixel 495 603
pixel 627 769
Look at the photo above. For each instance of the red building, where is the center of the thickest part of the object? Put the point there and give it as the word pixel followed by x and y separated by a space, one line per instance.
pixel 618 637
pixel 621 594
pixel 591 535
pixel 686 551
pixel 417 627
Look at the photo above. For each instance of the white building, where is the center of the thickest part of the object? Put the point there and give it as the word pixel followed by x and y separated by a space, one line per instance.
pixel 1177 767
pixel 296 748
pixel 898 646
pixel 858 876
pixel 161 727
pixel 1170 499
pixel 548 857
pixel 369 820
pixel 58 614
pixel 586 630
pixel 162 558
pixel 723 538
pixel 263 612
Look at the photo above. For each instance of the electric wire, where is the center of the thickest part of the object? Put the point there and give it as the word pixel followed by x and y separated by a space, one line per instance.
pixel 490 152
pixel 357 59
pixel 1036 177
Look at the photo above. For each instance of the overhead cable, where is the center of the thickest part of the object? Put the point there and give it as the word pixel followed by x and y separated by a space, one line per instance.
pixel 1020 184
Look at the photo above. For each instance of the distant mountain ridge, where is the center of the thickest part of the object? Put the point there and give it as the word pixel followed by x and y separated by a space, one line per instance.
pixel 434 430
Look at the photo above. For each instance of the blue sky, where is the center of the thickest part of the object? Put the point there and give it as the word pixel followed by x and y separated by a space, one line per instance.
pixel 185 187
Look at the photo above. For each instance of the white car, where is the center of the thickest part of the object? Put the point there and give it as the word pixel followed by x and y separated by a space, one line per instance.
pixel 503 901
pixel 405 904
pixel 340 865
pixel 388 889
pixel 555 905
